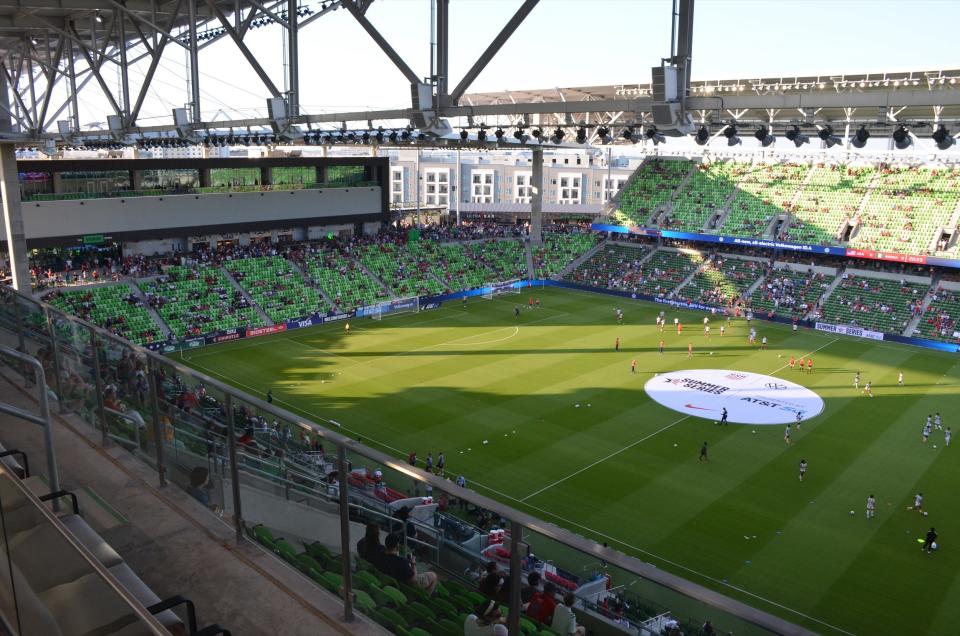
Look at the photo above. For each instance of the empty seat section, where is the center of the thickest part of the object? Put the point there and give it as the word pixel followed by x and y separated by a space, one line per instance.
pixel 833 193
pixel 763 192
pixel 342 279
pixel 874 303
pixel 116 308
pixel 701 197
pixel 277 286
pixel 652 185
pixel 403 272
pixel 505 259
pixel 666 269
pixel 559 250
pixel 613 267
pixel 722 281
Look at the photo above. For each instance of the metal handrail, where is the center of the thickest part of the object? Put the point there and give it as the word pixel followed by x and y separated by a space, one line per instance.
pixel 146 618
pixel 43 419
pixel 519 520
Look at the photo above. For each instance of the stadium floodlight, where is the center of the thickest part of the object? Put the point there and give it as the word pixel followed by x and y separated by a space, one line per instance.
pixel 365 137
pixel 901 137
pixel 603 133
pixel 521 136
pixel 393 137
pixel 764 137
pixel 702 137
pixel 796 136
pixel 537 134
pixel 558 135
pixel 730 132
pixel 654 136
pixel 482 135
pixel 581 135
pixel 463 134
pixel 498 133
pixel 859 139
pixel 405 135
pixel 98 17
pixel 630 134
pixel 827 137
pixel 943 137
pixel 379 135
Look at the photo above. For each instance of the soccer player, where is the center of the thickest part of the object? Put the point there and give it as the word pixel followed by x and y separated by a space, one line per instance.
pixel 269 396
pixel 926 432
pixel 918 502
pixel 793 361
pixel 937 422
pixel 616 345
pixel 856 381
pixel 689 349
pixel 900 379
pixel 723 330
pixel 809 365
pixel 763 343
pixel 464 299
pixel 800 363
pixel 786 435
pixel 867 389
pixel 706 320
pixel 723 418
pixel 679 327
pixel 538 302
pixel 946 436
pixel 441 463
pixel 706 331
pixel 346 327
pixel 799 419
pixel 703 453
pixel 930 540
pixel 516 311
pixel 428 463
pixel 803 468
pixel 530 302
pixel 871 506
pixel 661 346
pixel 620 316
pixel 633 366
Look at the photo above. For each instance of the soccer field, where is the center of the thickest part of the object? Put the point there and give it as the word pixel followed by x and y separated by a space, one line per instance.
pixel 626 470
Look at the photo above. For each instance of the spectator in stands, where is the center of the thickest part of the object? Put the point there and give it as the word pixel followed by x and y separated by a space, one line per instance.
pixel 495 585
pixel 199 485
pixel 564 620
pixel 404 569
pixel 369 547
pixel 485 620
pixel 532 587
pixel 543 604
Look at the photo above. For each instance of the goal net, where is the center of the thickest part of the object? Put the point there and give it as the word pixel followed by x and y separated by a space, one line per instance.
pixel 410 305
pixel 498 289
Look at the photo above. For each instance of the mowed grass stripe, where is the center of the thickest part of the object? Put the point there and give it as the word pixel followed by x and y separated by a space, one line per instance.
pixel 653 498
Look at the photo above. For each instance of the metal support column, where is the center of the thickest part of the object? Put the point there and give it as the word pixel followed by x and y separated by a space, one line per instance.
pixel 443 51
pixel 158 432
pixel 13 213
pixel 98 379
pixel 194 67
pixel 121 19
pixel 345 534
pixel 234 470
pixel 55 354
pixel 536 201
pixel 74 104
pixel 459 187
pixel 516 572
pixel 293 81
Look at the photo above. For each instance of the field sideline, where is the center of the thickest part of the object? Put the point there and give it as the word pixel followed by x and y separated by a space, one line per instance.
pixel 625 469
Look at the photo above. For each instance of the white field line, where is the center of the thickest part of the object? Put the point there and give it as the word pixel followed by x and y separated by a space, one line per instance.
pixel 654 556
pixel 516 330
pixel 629 446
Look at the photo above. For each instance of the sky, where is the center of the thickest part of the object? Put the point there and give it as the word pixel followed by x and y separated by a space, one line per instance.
pixel 562 43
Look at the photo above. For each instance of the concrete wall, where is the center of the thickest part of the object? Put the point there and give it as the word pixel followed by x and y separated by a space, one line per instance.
pixel 187 214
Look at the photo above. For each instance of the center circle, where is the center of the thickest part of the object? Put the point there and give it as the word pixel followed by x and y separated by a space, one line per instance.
pixel 750 398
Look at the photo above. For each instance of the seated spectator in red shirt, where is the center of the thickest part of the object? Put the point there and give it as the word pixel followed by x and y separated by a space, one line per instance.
pixel 542 604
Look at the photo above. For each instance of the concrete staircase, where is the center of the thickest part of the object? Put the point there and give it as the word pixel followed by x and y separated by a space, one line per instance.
pixel 749 292
pixel 150 310
pixel 927 300
pixel 373 277
pixel 826 293
pixel 233 282
pixel 308 280
pixel 689 278
pixel 583 258
pixel 724 212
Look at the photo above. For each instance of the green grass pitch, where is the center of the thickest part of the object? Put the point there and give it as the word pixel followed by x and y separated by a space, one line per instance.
pixel 625 470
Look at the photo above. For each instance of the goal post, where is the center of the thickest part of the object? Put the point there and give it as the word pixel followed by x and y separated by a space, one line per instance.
pixel 397 306
pixel 490 290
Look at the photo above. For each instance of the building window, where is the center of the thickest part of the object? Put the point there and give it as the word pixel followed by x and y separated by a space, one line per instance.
pixel 481 186
pixel 524 183
pixel 611 186
pixel 569 191
pixel 436 184
pixel 396 185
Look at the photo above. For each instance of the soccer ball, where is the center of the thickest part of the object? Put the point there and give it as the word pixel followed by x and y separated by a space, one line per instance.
pixel 674 445
pixel 934 445
pixel 934 546
pixel 780 356
pixel 711 353
pixel 925 513
pixel 852 512
pixel 577 405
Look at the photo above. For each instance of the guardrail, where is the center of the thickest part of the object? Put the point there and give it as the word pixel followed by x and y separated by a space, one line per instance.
pixel 84 359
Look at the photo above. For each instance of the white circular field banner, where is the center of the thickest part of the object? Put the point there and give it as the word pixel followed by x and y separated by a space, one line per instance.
pixel 750 398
